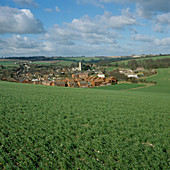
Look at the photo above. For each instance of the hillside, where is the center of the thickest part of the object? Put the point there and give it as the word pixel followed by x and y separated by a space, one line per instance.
pixel 163 82
pixel 55 127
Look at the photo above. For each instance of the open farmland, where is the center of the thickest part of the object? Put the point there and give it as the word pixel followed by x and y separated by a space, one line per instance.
pixel 67 61
pixel 145 58
pixel 54 127
pixel 122 86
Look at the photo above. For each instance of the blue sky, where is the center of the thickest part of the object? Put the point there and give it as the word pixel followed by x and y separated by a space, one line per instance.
pixel 84 27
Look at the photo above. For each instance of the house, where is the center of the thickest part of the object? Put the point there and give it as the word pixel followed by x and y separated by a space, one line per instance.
pixel 111 80
pixel 34 80
pixel 59 79
pixel 128 73
pixel 132 75
pixel 61 83
pixel 25 81
pixel 69 79
pixel 97 81
pixel 52 83
pixel 83 84
pixel 100 74
pixel 46 82
pixel 140 69
pixel 80 75
pixel 71 84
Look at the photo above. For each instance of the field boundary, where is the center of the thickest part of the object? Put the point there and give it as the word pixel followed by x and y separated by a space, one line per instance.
pixel 138 87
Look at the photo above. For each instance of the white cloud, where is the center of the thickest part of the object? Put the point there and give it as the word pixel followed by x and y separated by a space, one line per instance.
pixel 84 36
pixel 86 31
pixel 150 40
pixel 162 23
pixel 162 42
pixel 26 2
pixel 21 42
pixel 158 28
pixel 143 38
pixel 22 21
pixel 151 7
pixel 121 21
pixel 163 19
pixel 48 10
pixel 17 45
pixel 96 3
pixel 57 9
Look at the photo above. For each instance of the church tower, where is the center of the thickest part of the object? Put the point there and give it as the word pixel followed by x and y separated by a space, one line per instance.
pixel 79 66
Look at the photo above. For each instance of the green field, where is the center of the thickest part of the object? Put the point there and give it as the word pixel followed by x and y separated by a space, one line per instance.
pixel 83 58
pixel 137 59
pixel 67 61
pixel 72 128
pixel 8 63
pixel 122 86
pixel 163 82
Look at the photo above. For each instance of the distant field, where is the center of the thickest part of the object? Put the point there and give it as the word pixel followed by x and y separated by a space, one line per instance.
pixel 66 61
pixel 46 62
pixel 7 63
pixel 83 58
pixel 123 86
pixel 56 62
pixel 153 58
pixel 46 127
pixel 110 68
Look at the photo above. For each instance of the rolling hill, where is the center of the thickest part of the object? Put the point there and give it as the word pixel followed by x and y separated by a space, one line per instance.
pixel 68 128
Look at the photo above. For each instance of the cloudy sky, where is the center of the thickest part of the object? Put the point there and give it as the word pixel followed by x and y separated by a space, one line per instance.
pixel 84 27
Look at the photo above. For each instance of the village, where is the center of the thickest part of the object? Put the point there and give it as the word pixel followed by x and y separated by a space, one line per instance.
pixel 78 76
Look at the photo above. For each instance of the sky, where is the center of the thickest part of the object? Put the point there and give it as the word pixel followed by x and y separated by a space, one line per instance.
pixel 84 27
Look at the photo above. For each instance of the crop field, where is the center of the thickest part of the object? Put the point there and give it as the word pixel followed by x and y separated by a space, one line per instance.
pixel 122 86
pixel 72 128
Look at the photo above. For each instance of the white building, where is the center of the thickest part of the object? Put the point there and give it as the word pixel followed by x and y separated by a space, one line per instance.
pixel 77 68
pixel 100 74
pixel 132 75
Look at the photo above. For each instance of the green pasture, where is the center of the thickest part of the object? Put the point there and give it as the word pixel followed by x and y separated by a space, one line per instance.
pixel 66 63
pixel 43 63
pixel 45 127
pixel 8 63
pixel 122 86
pixel 163 82
pixel 154 58
pixel 61 62
pixel 109 69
